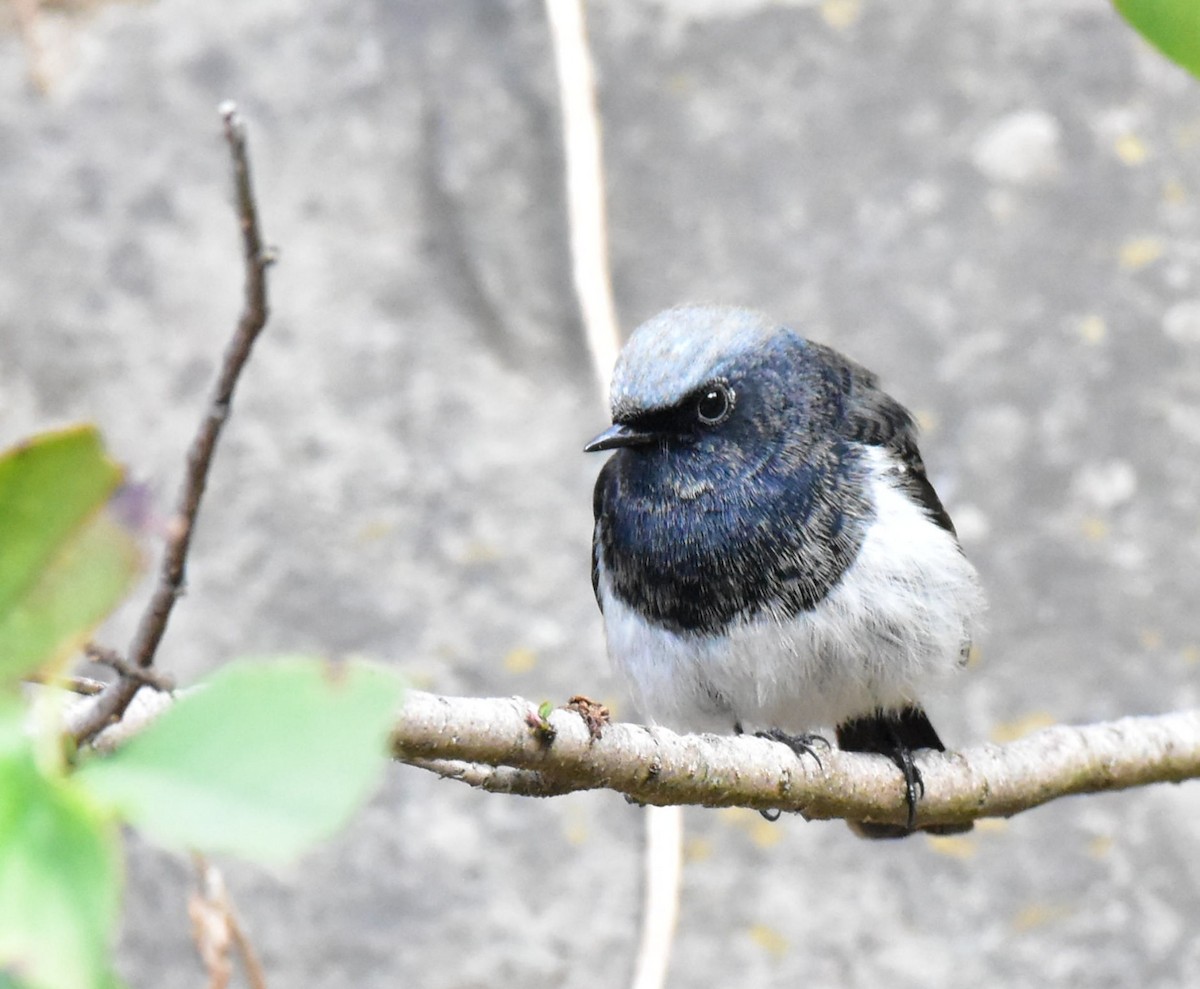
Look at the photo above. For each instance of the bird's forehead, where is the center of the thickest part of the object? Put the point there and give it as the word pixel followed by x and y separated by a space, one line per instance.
pixel 674 353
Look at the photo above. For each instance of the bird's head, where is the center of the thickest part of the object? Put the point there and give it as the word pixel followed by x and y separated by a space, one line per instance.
pixel 705 393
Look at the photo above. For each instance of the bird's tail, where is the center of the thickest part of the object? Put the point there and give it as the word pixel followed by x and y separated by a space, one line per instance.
pixel 895 734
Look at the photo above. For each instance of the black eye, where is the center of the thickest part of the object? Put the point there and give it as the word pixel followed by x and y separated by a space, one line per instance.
pixel 714 404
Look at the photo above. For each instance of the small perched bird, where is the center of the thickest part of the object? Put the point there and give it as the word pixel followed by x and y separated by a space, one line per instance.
pixel 768 552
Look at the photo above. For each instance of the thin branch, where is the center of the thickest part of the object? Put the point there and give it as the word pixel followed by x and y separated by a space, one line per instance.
pixel 119 664
pixel 200 455
pixel 210 927
pixel 29 22
pixel 656 766
pixel 172 571
pixel 585 182
pixel 145 708
pixel 84 686
pixel 217 930
pixel 496 779
pixel 663 868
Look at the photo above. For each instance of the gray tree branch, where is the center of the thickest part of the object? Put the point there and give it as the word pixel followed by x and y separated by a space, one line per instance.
pixel 496 745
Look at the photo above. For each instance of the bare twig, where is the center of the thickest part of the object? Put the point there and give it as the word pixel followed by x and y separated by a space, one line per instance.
pixel 663 869
pixel 585 182
pixel 210 927
pixel 84 686
pixel 115 661
pixel 496 779
pixel 200 455
pixel 656 766
pixel 217 931
pixel 145 708
pixel 171 578
pixel 29 22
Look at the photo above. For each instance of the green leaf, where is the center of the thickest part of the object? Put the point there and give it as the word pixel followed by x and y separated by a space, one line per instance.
pixel 65 562
pixel 1172 26
pixel 264 761
pixel 48 485
pixel 59 878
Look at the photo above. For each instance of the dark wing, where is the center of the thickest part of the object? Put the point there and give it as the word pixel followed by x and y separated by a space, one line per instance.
pixel 873 417
pixel 598 494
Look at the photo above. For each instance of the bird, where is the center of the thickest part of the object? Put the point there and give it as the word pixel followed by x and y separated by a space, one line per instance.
pixel 768 553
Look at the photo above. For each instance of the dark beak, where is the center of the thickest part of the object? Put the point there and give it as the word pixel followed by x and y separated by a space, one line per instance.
pixel 620 434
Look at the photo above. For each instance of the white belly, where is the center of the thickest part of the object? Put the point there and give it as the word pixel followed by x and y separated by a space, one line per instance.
pixel 894 624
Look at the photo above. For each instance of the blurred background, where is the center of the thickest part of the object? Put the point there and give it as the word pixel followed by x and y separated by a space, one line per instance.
pixel 994 206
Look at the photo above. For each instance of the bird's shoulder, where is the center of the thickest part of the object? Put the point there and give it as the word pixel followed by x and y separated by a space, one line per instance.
pixel 872 417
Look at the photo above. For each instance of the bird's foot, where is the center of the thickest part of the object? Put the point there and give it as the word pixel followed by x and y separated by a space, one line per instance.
pixel 897 735
pixel 803 745
pixel 914 789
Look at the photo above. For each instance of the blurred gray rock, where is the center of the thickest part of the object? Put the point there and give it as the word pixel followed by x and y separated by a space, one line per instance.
pixel 993 205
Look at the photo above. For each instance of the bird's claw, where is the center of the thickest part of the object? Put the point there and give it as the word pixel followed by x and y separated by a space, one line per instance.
pixel 914 785
pixel 803 745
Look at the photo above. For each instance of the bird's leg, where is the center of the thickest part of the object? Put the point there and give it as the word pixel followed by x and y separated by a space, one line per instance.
pixel 895 734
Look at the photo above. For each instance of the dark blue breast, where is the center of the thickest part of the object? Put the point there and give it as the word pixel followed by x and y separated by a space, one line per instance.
pixel 776 542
